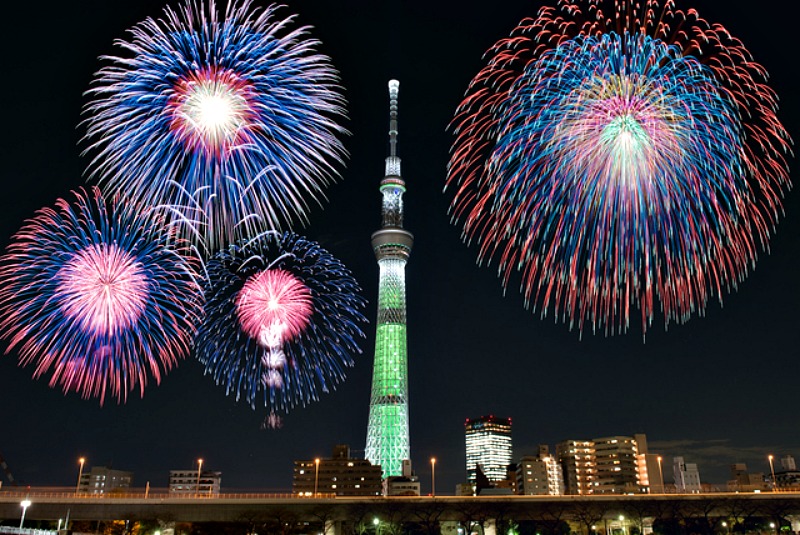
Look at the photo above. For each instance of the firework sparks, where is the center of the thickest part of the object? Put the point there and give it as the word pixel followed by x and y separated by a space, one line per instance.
pixel 228 121
pixel 283 319
pixel 95 296
pixel 616 164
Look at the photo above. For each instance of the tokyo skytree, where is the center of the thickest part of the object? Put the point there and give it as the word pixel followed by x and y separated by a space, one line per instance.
pixel 387 431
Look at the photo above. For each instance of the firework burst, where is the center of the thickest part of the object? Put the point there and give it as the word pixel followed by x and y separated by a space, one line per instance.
pixel 93 295
pixel 283 319
pixel 227 120
pixel 617 163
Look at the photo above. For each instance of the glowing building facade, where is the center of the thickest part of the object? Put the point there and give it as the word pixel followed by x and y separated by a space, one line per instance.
pixel 541 475
pixel 488 440
pixel 387 431
pixel 608 465
pixel 577 458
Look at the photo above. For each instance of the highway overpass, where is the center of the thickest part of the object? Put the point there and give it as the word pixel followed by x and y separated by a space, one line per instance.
pixel 769 513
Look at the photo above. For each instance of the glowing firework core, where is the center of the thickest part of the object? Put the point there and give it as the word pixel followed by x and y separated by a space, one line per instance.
pixel 211 109
pixel 104 288
pixel 273 306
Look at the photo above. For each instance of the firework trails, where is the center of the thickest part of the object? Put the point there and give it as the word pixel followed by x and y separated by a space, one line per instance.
pixel 93 295
pixel 228 123
pixel 283 318
pixel 619 156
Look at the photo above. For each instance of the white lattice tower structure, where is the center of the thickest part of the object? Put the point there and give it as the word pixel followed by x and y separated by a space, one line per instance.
pixel 387 431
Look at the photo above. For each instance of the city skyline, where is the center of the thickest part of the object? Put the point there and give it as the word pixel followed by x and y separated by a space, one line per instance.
pixel 709 390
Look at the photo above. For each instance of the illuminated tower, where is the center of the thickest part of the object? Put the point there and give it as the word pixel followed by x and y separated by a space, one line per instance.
pixel 387 431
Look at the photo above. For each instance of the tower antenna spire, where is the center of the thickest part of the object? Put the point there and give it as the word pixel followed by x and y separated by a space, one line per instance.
pixel 387 430
pixel 394 89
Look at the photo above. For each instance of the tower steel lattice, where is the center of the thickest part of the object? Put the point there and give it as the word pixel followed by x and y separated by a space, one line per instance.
pixel 387 431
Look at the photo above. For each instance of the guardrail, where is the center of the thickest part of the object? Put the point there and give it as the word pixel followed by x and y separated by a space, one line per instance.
pixel 27 531
pixel 157 495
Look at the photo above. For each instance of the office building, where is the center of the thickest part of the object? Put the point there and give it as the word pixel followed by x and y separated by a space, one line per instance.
pixel 102 480
pixel 488 444
pixel 687 477
pixel 195 482
pixel 744 481
pixel 341 475
pixel 788 464
pixel 788 478
pixel 406 484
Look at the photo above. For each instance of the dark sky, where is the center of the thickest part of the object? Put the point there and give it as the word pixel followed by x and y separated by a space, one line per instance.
pixel 717 390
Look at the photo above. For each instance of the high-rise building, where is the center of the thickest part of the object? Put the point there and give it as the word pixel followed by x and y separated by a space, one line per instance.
pixel 387 430
pixel 577 459
pixel 687 477
pixel 341 475
pixel 540 475
pixel 488 441
pixel 608 465
pixel 619 467
pixel 102 480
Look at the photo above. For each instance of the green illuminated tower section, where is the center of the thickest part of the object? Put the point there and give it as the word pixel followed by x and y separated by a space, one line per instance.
pixel 387 431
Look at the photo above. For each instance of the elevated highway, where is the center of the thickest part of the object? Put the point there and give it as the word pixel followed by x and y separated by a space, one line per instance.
pixel 592 515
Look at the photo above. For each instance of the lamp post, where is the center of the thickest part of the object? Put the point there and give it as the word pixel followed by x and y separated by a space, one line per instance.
pixel 622 524
pixel 80 474
pixel 25 504
pixel 660 474
pixel 772 470
pixel 197 485
pixel 316 476
pixel 433 477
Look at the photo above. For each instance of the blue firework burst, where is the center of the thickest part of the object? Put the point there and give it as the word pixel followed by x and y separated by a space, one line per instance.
pixel 226 119
pixel 93 294
pixel 283 321
pixel 619 155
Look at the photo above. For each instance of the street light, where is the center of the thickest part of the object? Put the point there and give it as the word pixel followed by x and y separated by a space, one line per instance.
pixel 772 470
pixel 80 474
pixel 622 523
pixel 25 504
pixel 433 477
pixel 660 474
pixel 316 476
pixel 199 468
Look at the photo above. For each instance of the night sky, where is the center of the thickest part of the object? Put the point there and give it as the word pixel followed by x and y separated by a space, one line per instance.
pixel 717 390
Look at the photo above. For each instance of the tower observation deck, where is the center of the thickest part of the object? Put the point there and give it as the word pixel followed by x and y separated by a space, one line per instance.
pixel 387 430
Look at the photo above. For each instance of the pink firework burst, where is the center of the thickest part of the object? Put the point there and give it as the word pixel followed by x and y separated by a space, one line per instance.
pixel 103 288
pixel 273 306
pixel 211 110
